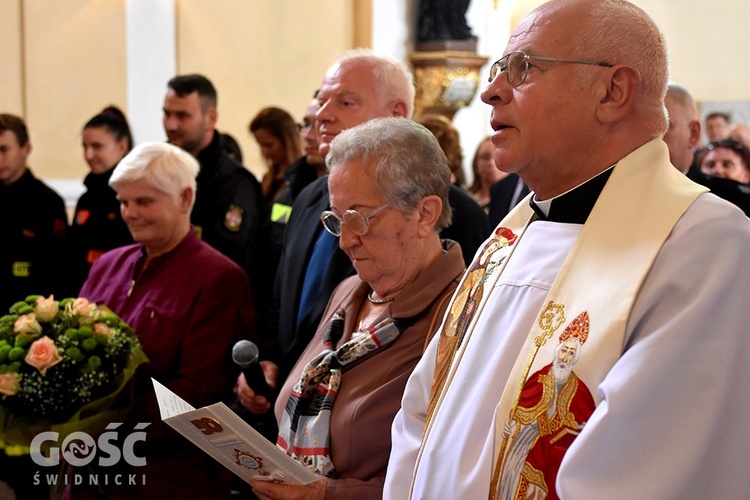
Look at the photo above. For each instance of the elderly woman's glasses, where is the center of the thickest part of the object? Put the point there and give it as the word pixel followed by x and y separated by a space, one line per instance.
pixel 516 66
pixel 357 222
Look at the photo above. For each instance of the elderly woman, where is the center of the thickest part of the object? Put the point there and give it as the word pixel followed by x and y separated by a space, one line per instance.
pixel 187 303
pixel 389 185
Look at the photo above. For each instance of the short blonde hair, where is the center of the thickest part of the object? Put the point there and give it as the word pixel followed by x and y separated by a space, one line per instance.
pixel 164 166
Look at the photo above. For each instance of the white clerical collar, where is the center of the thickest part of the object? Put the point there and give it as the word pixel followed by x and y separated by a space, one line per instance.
pixel 544 206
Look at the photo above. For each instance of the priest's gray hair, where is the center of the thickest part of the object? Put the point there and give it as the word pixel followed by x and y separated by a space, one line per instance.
pixel 409 163
pixel 619 32
pixel 165 167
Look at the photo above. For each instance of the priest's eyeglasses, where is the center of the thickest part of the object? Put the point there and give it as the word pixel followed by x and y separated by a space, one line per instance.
pixel 516 66
pixel 357 222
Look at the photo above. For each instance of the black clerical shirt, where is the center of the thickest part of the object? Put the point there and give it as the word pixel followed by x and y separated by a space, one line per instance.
pixel 575 206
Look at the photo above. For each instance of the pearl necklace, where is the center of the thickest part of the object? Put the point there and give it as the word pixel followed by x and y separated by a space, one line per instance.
pixel 378 301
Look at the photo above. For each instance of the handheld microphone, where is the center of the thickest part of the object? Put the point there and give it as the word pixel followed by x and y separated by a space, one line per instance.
pixel 245 355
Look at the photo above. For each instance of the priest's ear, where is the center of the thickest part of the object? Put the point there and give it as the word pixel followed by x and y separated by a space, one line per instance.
pixel 617 87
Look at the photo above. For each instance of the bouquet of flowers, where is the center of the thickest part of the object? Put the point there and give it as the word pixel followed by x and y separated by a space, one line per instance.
pixel 62 364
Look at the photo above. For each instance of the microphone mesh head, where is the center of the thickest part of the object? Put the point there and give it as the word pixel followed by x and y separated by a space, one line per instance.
pixel 245 353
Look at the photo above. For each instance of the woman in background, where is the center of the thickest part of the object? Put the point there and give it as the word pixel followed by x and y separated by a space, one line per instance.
pixel 485 173
pixel 727 159
pixel 450 142
pixel 97 225
pixel 277 134
pixel 725 170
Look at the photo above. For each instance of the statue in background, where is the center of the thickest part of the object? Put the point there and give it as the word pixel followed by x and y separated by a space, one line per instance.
pixel 443 20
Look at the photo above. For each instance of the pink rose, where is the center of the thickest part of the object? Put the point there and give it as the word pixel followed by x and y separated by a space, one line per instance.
pixel 103 329
pixel 9 383
pixel 28 324
pixel 46 309
pixel 43 354
pixel 87 311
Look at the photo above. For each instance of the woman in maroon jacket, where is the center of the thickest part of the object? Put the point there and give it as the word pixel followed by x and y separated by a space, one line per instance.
pixel 187 303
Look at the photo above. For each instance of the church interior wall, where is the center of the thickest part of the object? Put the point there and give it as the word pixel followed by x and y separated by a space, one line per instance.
pixel 64 61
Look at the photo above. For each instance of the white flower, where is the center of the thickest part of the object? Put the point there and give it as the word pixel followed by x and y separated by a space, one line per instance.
pixel 46 309
pixel 28 324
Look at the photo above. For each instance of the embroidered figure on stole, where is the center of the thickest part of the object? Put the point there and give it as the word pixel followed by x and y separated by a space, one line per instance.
pixel 464 306
pixel 552 408
pixel 471 290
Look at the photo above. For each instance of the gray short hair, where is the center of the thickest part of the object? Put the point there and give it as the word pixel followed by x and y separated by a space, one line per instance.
pixel 392 77
pixel 619 32
pixel 164 166
pixel 683 97
pixel 409 162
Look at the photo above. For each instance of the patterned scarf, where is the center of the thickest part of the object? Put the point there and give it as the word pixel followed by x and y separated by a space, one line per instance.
pixel 304 432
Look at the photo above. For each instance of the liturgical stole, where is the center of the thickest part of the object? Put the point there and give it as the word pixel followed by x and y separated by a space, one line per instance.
pixel 580 329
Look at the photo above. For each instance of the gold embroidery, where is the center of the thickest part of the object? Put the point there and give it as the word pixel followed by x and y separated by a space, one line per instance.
pixel 562 421
pixel 548 324
pixel 562 434
pixel 463 306
pixel 577 329
pixel 530 475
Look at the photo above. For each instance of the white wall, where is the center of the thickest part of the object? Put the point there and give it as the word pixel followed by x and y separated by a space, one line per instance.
pixel 707 41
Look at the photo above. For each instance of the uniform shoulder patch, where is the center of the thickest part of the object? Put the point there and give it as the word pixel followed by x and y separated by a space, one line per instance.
pixel 233 218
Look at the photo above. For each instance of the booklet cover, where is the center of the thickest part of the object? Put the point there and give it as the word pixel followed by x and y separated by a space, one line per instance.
pixel 218 431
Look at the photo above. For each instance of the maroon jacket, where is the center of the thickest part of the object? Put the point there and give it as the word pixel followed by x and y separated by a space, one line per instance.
pixel 188 307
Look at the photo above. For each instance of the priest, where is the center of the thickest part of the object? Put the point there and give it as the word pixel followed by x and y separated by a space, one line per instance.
pixel 616 265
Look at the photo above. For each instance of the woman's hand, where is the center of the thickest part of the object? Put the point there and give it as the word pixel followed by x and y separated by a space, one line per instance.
pixel 270 490
pixel 251 401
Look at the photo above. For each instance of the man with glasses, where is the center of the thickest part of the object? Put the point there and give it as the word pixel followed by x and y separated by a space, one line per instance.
pixel 359 87
pixel 302 172
pixel 618 250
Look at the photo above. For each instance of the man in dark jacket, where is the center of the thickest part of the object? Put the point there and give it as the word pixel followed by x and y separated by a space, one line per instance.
pixel 227 213
pixel 32 256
